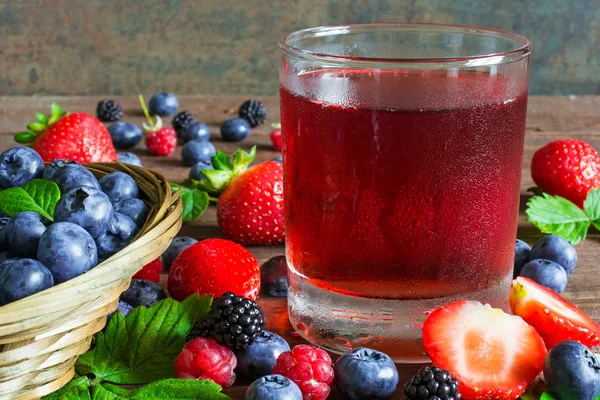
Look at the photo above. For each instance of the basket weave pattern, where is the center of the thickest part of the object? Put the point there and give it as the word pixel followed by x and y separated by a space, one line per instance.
pixel 41 336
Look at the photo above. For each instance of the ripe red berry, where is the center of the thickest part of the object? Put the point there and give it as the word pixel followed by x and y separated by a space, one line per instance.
pixel 276 139
pixel 310 368
pixel 151 271
pixel 204 358
pixel 214 266
pixel 566 168
pixel 162 142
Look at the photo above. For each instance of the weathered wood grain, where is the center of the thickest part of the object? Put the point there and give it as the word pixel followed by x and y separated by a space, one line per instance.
pixel 549 118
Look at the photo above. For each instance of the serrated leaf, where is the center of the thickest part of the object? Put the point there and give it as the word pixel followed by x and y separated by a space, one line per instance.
pixel 181 389
pixel 141 348
pixel 194 203
pixel 106 392
pixel 558 216
pixel 76 389
pixel 41 118
pixel 44 192
pixel 16 200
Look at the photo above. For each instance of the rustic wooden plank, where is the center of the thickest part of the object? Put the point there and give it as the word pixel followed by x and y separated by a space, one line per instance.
pixel 549 118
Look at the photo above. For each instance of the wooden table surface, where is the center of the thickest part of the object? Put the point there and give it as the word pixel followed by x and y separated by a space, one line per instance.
pixel 549 118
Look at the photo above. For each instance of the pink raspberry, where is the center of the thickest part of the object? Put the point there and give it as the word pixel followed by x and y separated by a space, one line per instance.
pixel 309 367
pixel 204 358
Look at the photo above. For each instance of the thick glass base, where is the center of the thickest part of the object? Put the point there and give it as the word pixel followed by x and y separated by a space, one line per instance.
pixel 339 322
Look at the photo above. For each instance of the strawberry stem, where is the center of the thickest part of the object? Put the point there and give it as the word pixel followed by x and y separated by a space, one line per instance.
pixel 146 113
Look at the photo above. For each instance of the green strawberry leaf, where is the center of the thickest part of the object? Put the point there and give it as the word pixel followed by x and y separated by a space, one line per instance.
pixel 224 170
pixel 24 137
pixel 36 127
pixel 547 396
pixel 76 389
pixel 558 216
pixel 37 195
pixel 55 114
pixel 141 348
pixel 41 119
pixel 180 389
pixel 195 202
pixel 592 206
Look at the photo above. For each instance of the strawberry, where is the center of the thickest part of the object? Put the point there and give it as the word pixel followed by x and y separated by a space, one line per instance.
pixel 493 355
pixel 555 318
pixel 150 272
pixel 566 168
pixel 250 207
pixel 159 140
pixel 79 137
pixel 214 266
pixel 276 137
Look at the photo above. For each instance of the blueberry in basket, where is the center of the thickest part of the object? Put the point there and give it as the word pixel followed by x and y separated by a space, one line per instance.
pixel 142 293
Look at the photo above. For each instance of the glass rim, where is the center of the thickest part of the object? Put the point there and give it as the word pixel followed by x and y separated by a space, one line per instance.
pixel 522 44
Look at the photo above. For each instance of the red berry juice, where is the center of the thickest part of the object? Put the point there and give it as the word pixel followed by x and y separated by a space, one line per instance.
pixel 402 185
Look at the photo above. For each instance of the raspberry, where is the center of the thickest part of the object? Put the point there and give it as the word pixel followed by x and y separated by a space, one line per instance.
pixel 162 142
pixel 206 359
pixel 151 271
pixel 310 368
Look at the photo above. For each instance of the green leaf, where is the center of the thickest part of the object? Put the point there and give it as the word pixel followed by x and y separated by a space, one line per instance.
pixel 36 127
pixel 103 391
pixel 221 162
pixel 194 203
pixel 24 137
pixel 215 180
pixel 55 113
pixel 181 389
pixel 38 195
pixel 546 396
pixel 76 389
pixel 41 118
pixel 242 160
pixel 44 192
pixel 558 216
pixel 592 206
pixel 141 348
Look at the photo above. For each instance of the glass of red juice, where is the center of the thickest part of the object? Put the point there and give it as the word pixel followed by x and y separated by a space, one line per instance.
pixel 402 155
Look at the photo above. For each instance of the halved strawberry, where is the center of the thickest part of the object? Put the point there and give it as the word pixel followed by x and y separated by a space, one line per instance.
pixel 493 355
pixel 555 318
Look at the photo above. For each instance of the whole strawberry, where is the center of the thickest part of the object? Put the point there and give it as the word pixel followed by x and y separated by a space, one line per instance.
pixel 151 271
pixel 250 207
pixel 214 266
pixel 159 140
pixel 566 168
pixel 79 137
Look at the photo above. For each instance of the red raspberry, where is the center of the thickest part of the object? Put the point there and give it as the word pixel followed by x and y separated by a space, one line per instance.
pixel 162 142
pixel 310 368
pixel 204 358
pixel 150 272
pixel 276 139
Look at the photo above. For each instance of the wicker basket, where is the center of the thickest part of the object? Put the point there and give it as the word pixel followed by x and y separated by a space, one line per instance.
pixel 41 336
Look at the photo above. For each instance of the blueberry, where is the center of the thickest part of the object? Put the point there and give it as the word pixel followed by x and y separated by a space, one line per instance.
pixel 18 166
pixel 67 250
pixel 260 357
pixel 87 207
pixel 70 175
pixel 3 241
pixel 21 278
pixel 546 273
pixel 199 166
pixel 572 372
pixel 142 293
pixel 118 186
pixel 278 159
pixel 178 245
pixel 273 276
pixel 163 104
pixel 123 308
pixel 135 209
pixel 195 131
pixel 125 135
pixel 273 387
pixel 522 250
pixel 119 234
pixel 366 374
pixel 196 150
pixel 129 158
pixel 23 233
pixel 235 129
pixel 557 249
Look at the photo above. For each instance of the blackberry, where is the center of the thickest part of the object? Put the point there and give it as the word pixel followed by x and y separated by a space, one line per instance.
pixel 432 383
pixel 109 110
pixel 254 112
pixel 180 121
pixel 233 321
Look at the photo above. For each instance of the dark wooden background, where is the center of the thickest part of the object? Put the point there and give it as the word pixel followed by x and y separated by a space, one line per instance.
pixel 209 47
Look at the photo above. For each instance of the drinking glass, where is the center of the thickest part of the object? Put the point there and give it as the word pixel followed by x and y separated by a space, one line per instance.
pixel 402 155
